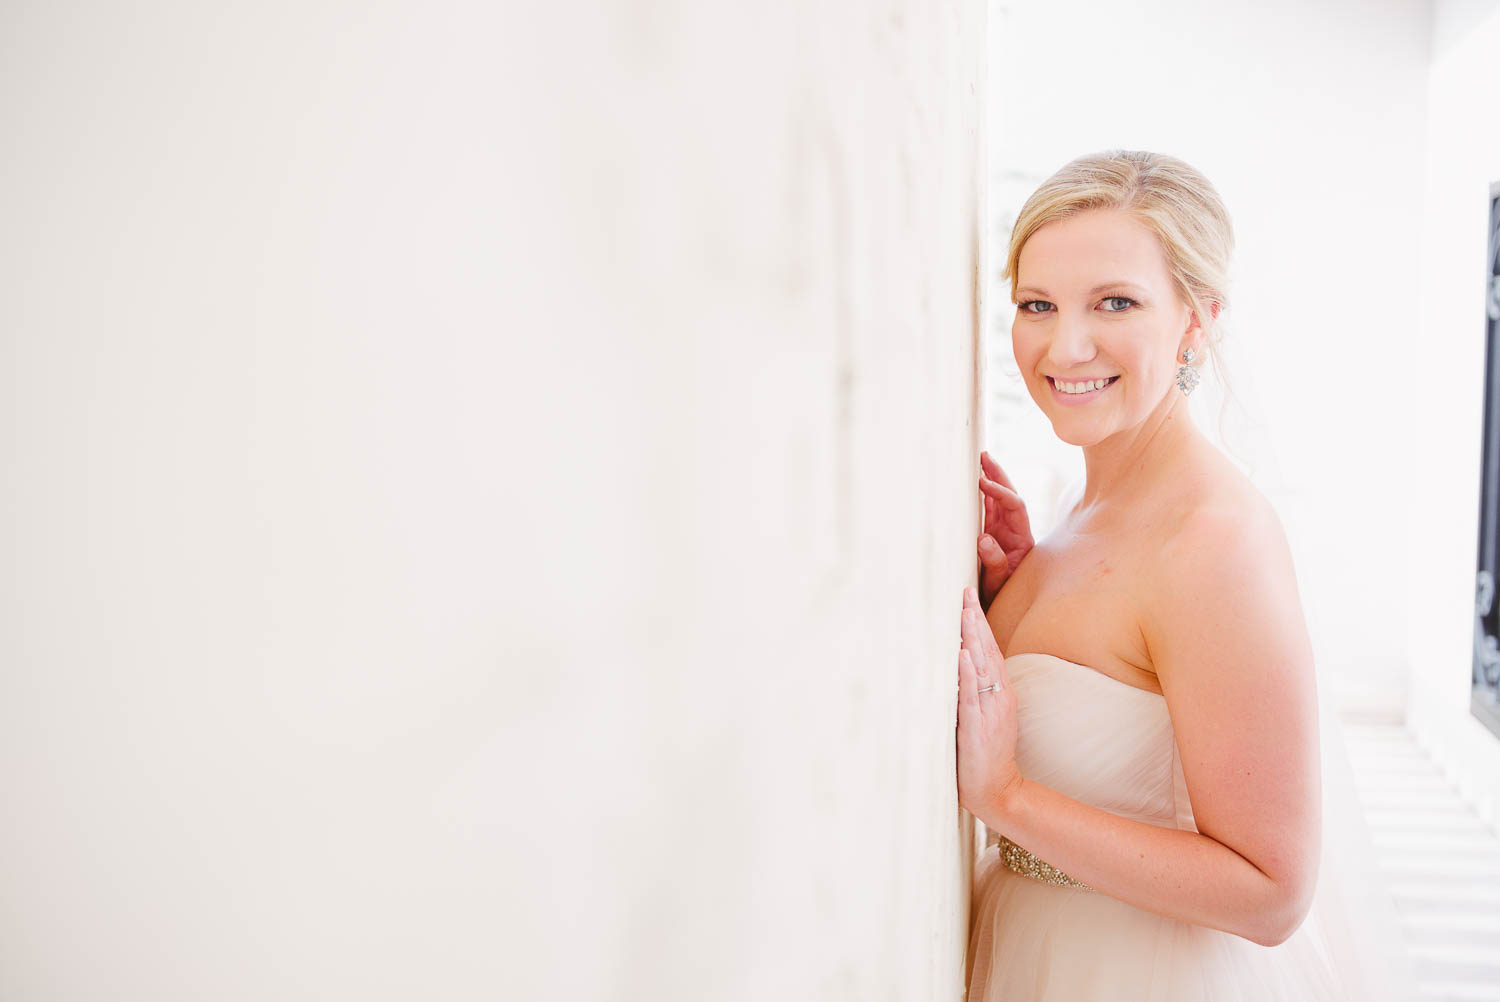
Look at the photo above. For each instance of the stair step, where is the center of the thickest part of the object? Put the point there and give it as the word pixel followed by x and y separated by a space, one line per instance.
pixel 1474 928
pixel 1456 962
pixel 1459 991
pixel 1441 862
pixel 1416 894
pixel 1459 821
pixel 1408 800
pixel 1479 842
pixel 1410 777
pixel 1479 869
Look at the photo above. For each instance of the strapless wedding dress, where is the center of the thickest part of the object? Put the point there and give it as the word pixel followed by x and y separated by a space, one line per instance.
pixel 1034 937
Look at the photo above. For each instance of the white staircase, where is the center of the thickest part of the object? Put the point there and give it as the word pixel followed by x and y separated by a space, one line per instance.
pixel 1442 861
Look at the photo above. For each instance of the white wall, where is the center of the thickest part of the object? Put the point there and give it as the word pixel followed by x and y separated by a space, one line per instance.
pixel 489 495
pixel 1308 118
pixel 1445 352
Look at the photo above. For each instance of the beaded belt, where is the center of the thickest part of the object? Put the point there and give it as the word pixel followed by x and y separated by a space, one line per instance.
pixel 1027 865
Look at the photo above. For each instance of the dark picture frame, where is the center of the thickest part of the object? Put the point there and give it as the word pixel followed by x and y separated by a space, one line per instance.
pixel 1484 694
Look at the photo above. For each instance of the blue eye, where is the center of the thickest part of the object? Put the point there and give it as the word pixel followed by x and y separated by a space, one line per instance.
pixel 1119 299
pixel 1032 302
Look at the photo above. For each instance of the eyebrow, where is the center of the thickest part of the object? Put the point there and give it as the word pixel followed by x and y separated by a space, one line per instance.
pixel 1092 292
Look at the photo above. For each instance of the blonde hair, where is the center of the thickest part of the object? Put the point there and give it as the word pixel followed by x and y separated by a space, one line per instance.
pixel 1172 199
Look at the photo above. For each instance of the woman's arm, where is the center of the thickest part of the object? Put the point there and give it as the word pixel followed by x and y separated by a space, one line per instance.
pixel 1229 644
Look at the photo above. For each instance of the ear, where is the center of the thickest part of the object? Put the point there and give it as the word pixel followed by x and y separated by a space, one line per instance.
pixel 1195 328
pixel 1213 314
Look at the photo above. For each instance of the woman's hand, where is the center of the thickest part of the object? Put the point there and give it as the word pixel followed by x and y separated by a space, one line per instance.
pixel 987 772
pixel 1007 530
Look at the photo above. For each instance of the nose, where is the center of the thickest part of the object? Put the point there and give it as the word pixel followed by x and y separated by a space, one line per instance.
pixel 1071 344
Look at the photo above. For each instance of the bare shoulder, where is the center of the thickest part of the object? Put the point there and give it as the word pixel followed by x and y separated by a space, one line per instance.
pixel 1225 569
pixel 1227 525
pixel 1222 512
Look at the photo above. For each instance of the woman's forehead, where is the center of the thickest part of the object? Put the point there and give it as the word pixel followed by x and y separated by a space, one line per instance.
pixel 1081 253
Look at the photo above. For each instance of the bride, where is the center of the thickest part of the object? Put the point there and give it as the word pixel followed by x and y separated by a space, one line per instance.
pixel 1148 748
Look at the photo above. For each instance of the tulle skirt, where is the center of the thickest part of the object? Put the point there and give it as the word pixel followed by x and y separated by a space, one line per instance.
pixel 1032 941
pixel 1113 746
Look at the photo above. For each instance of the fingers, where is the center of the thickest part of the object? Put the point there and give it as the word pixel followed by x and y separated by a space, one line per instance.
pixel 968 680
pixel 991 553
pixel 993 471
pixel 979 641
pixel 968 692
pixel 1000 679
pixel 971 599
pixel 991 509
pixel 973 623
pixel 970 711
pixel 994 660
pixel 993 578
pixel 994 566
pixel 1002 494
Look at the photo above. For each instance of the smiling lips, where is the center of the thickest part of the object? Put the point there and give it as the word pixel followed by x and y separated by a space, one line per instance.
pixel 1080 387
pixel 1079 392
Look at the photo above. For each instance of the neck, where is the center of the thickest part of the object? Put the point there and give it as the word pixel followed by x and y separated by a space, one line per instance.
pixel 1119 466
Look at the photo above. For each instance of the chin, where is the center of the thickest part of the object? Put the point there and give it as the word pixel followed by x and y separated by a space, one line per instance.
pixel 1077 436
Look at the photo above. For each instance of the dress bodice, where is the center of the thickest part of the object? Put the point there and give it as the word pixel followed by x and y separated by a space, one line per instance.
pixel 1098 740
pixel 1036 935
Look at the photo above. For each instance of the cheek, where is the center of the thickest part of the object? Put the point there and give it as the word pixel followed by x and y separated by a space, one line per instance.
pixel 1026 347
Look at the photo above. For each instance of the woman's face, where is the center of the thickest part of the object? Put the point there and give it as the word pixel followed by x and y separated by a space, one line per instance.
pixel 1095 301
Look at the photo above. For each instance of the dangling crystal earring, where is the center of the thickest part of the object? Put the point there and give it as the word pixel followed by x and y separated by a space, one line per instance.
pixel 1187 376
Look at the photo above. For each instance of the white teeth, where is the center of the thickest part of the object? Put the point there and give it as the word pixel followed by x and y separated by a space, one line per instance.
pixel 1084 387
